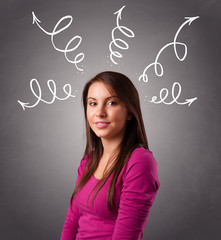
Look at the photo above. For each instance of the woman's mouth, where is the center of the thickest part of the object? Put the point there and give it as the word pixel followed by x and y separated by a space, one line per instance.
pixel 101 124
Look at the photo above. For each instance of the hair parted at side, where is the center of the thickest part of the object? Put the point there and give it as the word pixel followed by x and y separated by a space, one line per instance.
pixel 135 135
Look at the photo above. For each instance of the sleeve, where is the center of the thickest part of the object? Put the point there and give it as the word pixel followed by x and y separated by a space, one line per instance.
pixel 139 189
pixel 70 227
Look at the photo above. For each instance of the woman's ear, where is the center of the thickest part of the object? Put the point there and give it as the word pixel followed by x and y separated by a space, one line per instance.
pixel 129 116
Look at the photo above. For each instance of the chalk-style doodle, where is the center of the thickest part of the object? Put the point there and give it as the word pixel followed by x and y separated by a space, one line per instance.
pixel 80 56
pixel 164 94
pixel 158 68
pixel 52 87
pixel 117 42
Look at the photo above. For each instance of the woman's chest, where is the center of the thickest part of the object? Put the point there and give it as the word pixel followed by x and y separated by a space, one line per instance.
pixel 88 203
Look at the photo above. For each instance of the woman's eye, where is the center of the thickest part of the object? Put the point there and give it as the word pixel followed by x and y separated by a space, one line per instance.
pixel 92 103
pixel 112 103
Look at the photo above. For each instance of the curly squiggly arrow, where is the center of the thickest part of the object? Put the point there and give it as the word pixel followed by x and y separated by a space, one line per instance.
pixel 158 68
pixel 80 56
pixel 164 94
pixel 52 87
pixel 119 43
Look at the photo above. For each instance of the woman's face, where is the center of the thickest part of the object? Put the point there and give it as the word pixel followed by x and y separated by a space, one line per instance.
pixel 106 114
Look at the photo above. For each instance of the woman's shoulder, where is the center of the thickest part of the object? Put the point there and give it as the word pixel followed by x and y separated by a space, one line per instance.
pixel 82 165
pixel 141 155
pixel 142 166
pixel 84 160
pixel 142 159
pixel 141 150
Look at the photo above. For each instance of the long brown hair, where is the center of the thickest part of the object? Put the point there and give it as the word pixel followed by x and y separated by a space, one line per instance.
pixel 134 136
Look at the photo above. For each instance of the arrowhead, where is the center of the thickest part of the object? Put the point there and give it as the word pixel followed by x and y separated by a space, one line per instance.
pixel 35 19
pixel 191 19
pixel 23 104
pixel 190 100
pixel 119 12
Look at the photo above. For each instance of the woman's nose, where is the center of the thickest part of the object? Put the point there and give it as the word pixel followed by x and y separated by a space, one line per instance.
pixel 101 112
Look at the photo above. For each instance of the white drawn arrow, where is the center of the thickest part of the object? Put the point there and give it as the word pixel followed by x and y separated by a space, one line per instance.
pixel 52 87
pixel 164 94
pixel 158 68
pixel 117 42
pixel 79 57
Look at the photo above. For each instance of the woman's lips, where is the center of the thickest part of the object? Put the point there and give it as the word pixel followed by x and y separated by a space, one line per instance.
pixel 101 124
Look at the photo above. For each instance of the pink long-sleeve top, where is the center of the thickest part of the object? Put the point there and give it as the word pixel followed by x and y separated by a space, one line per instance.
pixel 134 195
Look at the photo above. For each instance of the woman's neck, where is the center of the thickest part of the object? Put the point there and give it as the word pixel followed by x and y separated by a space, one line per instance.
pixel 110 148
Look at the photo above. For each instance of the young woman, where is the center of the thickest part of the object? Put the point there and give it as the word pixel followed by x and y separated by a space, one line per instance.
pixel 117 178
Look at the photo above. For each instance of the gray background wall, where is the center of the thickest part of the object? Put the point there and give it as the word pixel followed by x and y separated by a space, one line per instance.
pixel 42 146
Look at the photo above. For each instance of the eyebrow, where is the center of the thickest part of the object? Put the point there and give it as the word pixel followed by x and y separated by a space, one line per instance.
pixel 105 98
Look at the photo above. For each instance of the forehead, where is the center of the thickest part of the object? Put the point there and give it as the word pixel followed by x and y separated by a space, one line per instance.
pixel 100 90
